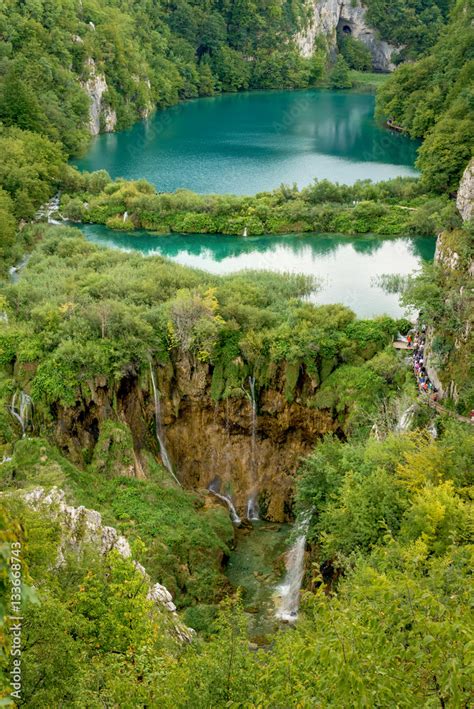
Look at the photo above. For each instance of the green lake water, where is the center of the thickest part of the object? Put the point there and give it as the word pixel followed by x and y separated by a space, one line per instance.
pixel 257 567
pixel 249 142
pixel 347 268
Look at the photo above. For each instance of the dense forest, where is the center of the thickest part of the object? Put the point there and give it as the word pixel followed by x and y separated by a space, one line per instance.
pixel 414 26
pixel 432 99
pixel 399 206
pixel 106 356
pixel 390 516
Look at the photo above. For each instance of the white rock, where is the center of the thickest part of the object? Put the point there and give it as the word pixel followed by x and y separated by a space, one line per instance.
pixel 465 196
pixel 95 87
pixel 327 15
pixel 81 525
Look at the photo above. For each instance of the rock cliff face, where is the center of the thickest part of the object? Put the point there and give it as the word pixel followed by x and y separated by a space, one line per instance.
pixel 80 526
pixel 465 196
pixel 448 256
pixel 222 442
pixel 101 115
pixel 331 16
pixel 207 442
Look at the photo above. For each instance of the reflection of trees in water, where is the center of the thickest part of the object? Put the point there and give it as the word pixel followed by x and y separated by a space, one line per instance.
pixel 368 244
pixel 252 132
pixel 423 247
pixel 347 129
pixel 216 247
pixel 211 247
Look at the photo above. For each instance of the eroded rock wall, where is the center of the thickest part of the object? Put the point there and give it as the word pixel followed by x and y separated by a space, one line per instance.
pixel 101 115
pixel 211 441
pixel 465 196
pixel 207 441
pixel 327 16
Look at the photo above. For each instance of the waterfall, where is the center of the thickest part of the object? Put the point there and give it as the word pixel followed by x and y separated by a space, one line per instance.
pixel 21 408
pixel 227 501
pixel 159 428
pixel 49 209
pixel 125 216
pixel 252 504
pixel 405 419
pixel 14 271
pixel 289 591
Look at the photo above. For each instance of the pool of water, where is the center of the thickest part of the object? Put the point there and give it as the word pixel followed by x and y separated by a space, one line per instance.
pixel 257 566
pixel 249 142
pixel 347 268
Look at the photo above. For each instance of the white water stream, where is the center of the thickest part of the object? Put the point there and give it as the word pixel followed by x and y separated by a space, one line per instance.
pixel 159 427
pixel 227 501
pixel 252 504
pixel 289 591
pixel 21 408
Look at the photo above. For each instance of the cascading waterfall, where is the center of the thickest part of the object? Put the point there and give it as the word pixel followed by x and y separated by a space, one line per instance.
pixel 227 501
pixel 405 419
pixel 14 271
pixel 21 408
pixel 252 504
pixel 214 487
pixel 125 216
pixel 289 591
pixel 159 428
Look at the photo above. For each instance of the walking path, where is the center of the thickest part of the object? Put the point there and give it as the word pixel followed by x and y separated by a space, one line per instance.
pixel 427 391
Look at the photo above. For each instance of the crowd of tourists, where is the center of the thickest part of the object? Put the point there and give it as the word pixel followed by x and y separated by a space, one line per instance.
pixel 416 343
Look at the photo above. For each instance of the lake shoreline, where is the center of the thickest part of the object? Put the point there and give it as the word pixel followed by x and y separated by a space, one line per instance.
pixel 344 269
pixel 395 207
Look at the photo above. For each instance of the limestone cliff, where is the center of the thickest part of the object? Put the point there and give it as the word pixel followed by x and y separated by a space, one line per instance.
pixel 207 442
pixel 451 371
pixel 465 196
pixel 80 526
pixel 101 115
pixel 327 17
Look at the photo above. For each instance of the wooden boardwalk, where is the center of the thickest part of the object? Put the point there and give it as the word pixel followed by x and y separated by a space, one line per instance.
pixel 402 345
pixel 443 410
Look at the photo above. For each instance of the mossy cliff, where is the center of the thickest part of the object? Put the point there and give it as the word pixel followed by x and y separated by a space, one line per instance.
pixel 208 441
pixel 240 373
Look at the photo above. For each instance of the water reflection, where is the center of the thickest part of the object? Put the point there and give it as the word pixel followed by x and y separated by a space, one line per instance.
pixel 250 142
pixel 346 266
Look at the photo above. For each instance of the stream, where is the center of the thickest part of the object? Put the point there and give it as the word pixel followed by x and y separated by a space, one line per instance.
pixel 257 567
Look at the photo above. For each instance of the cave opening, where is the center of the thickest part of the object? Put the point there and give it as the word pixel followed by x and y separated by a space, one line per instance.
pixel 346 29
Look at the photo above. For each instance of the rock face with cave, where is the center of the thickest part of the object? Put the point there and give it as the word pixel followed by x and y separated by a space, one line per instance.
pixel 328 17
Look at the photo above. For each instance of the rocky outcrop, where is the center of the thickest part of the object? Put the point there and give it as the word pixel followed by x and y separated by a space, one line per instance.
pixel 81 526
pixel 446 375
pixel 207 442
pixel 324 18
pixel 101 115
pixel 213 442
pixel 330 16
pixel 465 196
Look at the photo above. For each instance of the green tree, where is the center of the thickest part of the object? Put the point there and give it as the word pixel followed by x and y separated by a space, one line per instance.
pixel 339 76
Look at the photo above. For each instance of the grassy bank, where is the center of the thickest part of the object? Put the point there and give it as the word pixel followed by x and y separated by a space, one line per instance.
pixel 367 80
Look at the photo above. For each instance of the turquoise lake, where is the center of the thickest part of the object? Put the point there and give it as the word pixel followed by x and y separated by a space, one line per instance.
pixel 347 268
pixel 250 142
